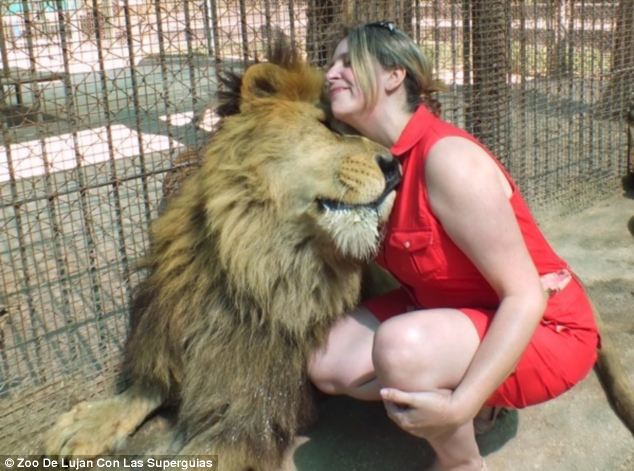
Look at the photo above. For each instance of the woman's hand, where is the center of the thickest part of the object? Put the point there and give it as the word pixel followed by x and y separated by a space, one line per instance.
pixel 424 414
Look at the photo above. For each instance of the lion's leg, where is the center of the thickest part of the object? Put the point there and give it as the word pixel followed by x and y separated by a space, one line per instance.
pixel 92 428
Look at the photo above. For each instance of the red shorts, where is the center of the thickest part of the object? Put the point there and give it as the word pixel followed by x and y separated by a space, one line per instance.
pixel 559 355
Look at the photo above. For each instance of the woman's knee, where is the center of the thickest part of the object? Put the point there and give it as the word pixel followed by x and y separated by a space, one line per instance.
pixel 341 375
pixel 325 375
pixel 345 361
pixel 398 343
pixel 401 348
pixel 424 349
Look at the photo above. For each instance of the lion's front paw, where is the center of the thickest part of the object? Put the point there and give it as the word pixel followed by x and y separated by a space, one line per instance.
pixel 89 429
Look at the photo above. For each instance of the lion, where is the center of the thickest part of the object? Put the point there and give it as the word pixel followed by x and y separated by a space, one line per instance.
pixel 249 266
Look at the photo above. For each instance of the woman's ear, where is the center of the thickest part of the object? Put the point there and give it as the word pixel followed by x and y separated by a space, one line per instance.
pixel 394 78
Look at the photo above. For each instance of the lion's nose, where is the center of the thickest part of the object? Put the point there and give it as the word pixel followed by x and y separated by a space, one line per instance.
pixel 391 170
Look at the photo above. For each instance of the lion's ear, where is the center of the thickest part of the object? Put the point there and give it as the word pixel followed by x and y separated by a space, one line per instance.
pixel 295 82
pixel 261 81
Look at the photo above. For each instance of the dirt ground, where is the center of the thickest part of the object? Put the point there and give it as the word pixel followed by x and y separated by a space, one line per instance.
pixel 575 432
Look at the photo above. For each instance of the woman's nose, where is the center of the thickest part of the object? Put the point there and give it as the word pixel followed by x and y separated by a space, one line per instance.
pixel 332 73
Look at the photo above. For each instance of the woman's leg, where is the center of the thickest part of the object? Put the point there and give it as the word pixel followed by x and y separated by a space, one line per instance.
pixel 344 365
pixel 416 351
pixel 430 351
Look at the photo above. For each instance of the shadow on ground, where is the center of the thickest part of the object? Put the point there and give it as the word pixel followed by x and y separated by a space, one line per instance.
pixel 353 435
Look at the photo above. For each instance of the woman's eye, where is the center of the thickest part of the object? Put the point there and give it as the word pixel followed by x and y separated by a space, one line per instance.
pixel 345 60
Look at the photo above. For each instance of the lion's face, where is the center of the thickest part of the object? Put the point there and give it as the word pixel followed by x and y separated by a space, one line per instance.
pixel 292 170
pixel 342 185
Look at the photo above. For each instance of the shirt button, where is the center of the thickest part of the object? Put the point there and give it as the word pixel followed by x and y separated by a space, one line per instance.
pixel 406 244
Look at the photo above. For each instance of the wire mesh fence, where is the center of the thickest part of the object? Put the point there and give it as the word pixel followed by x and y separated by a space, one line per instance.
pixel 99 97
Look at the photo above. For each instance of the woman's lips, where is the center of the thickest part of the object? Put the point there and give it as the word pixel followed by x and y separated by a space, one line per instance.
pixel 336 90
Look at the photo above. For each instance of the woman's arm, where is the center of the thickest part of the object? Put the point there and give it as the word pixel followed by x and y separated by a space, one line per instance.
pixel 469 195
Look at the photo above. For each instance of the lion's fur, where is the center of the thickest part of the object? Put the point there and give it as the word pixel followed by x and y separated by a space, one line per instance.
pixel 246 273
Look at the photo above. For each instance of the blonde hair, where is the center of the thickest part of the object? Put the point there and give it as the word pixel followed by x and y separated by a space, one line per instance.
pixel 386 45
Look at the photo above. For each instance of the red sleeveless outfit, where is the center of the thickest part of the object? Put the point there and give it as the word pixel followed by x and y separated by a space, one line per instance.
pixel 434 273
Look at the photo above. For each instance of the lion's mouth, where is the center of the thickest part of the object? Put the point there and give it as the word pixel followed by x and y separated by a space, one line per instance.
pixel 335 205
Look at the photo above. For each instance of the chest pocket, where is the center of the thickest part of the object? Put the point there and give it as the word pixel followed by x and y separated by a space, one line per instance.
pixel 409 256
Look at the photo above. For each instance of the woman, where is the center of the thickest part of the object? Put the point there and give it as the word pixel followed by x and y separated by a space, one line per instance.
pixel 488 315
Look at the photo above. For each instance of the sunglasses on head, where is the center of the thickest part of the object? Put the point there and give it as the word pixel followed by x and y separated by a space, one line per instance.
pixel 389 25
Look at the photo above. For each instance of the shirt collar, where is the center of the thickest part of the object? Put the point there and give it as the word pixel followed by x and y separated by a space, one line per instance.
pixel 413 132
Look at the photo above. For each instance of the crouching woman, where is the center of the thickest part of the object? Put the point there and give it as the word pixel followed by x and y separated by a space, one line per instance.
pixel 488 315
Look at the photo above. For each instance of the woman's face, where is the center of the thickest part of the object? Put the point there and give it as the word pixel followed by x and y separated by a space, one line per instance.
pixel 346 97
